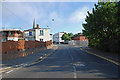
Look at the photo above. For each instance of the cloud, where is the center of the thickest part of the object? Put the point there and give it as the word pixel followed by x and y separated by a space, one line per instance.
pixel 64 16
pixel 57 17
pixel 79 15
pixel 23 13
pixel 51 1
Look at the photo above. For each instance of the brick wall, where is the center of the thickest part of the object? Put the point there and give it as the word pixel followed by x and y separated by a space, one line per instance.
pixel 34 44
pixel 21 45
pixel 81 38
pixel 48 43
pixel 9 46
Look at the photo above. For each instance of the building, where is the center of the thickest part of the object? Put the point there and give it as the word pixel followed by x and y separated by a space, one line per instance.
pixel 79 40
pixel 11 34
pixel 36 33
pixel 57 38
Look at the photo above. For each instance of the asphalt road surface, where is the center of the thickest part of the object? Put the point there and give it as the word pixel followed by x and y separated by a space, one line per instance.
pixel 67 62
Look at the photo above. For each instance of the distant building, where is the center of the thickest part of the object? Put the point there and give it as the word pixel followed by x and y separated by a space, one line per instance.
pixel 57 38
pixel 79 40
pixel 36 33
pixel 79 37
pixel 11 34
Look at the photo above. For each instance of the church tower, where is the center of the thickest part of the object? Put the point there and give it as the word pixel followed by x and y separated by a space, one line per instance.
pixel 34 24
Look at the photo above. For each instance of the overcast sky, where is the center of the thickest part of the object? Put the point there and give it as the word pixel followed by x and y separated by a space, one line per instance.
pixel 68 16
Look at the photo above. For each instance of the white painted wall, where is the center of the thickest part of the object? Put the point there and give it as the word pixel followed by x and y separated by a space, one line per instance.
pixel 45 36
pixel 36 34
pixel 13 38
pixel 58 37
pixel 27 37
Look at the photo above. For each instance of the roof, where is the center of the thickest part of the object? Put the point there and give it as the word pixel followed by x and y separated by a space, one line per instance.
pixel 10 30
pixel 35 28
pixel 62 32
pixel 77 35
pixel 29 30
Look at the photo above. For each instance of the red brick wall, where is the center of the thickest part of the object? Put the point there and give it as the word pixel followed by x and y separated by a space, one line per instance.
pixel 34 44
pixel 22 44
pixel 12 45
pixel 48 43
pixel 81 38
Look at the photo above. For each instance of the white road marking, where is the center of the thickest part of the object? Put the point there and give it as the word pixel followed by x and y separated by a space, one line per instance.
pixel 75 74
pixel 71 57
pixel 9 71
pixel 79 65
pixel 0 76
pixel 74 68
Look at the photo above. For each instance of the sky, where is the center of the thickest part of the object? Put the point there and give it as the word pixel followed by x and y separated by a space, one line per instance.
pixel 68 16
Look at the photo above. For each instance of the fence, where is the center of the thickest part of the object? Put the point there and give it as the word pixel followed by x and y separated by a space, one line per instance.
pixel 78 43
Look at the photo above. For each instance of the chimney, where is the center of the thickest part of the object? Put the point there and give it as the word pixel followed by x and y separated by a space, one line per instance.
pixel 37 26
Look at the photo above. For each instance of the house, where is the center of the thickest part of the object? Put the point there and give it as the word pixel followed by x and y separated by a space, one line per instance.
pixel 36 33
pixel 80 37
pixel 11 34
pixel 57 38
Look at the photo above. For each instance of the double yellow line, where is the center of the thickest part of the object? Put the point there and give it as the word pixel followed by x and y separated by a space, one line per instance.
pixel 112 61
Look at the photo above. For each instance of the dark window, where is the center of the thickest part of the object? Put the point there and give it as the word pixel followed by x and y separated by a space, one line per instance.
pixel 11 33
pixel 30 33
pixel 41 39
pixel 41 32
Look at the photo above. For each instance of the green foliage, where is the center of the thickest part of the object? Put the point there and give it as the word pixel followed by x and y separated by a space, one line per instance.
pixel 76 34
pixel 103 26
pixel 67 37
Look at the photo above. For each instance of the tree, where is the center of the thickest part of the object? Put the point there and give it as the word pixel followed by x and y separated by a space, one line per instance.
pixel 67 37
pixel 76 34
pixel 102 27
pixel 70 34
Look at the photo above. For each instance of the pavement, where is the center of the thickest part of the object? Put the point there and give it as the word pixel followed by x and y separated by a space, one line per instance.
pixel 109 55
pixel 8 65
pixel 66 62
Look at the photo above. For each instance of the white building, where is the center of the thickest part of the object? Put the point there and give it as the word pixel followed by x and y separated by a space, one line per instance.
pixel 38 34
pixel 57 38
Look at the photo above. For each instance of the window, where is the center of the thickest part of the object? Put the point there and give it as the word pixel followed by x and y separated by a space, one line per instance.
pixel 20 34
pixel 41 39
pixel 4 39
pixel 4 33
pixel 30 33
pixel 31 38
pixel 11 33
pixel 41 32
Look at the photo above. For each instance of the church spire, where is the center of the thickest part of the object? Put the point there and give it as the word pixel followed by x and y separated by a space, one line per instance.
pixel 34 24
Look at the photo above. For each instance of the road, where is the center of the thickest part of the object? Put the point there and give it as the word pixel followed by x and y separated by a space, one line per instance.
pixel 67 62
